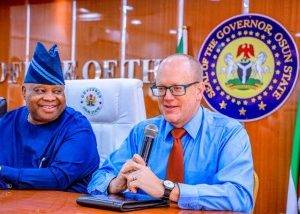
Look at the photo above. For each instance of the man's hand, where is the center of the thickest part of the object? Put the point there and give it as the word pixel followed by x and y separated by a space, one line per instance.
pixel 143 178
pixel 119 183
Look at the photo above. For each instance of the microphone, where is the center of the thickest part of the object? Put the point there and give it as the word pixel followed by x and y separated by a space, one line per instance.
pixel 150 134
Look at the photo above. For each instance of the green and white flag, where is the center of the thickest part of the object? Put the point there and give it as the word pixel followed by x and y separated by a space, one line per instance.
pixel 182 46
pixel 291 207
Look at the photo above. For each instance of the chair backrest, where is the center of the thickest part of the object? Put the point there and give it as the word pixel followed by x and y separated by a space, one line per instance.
pixel 113 106
pixel 3 106
pixel 255 188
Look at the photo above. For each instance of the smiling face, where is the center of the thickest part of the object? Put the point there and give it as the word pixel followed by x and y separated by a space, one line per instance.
pixel 179 70
pixel 45 102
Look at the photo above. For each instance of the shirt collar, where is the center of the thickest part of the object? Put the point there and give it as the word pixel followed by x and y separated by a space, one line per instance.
pixel 192 127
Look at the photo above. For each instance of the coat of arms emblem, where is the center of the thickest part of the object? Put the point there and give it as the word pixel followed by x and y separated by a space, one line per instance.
pixel 250 66
pixel 91 100
pixel 248 71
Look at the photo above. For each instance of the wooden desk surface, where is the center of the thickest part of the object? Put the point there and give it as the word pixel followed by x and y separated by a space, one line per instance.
pixel 39 201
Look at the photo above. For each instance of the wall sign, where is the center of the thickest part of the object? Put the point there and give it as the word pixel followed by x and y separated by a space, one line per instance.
pixel 134 68
pixel 250 66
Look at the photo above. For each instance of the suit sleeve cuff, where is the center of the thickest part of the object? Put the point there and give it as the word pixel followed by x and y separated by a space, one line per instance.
pixel 187 194
pixel 100 186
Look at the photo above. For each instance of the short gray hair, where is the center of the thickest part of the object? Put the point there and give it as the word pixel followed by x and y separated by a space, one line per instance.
pixel 195 66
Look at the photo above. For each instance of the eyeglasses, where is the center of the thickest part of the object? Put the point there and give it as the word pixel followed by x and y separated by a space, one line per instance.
pixel 176 90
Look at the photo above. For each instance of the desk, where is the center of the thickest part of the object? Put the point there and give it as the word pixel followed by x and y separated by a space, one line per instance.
pixel 40 201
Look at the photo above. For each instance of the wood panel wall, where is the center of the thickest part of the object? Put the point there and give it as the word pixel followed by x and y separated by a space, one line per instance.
pixel 16 51
pixel 4 42
pixel 271 137
pixel 98 40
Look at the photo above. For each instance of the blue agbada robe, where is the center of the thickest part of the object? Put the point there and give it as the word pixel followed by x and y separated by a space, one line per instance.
pixel 58 155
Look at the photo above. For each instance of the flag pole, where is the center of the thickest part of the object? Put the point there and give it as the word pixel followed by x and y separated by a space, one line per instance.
pixel 180 20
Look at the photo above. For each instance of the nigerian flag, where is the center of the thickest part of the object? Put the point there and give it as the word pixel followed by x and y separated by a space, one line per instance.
pixel 291 207
pixel 182 44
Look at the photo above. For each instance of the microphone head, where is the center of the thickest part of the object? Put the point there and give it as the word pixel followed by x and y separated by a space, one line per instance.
pixel 151 131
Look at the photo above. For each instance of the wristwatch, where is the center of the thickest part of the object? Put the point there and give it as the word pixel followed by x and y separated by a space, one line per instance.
pixel 169 186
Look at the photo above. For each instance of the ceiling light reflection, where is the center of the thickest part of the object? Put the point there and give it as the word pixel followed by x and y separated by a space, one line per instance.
pixel 129 8
pixel 83 10
pixel 297 34
pixel 172 31
pixel 89 17
pixel 136 22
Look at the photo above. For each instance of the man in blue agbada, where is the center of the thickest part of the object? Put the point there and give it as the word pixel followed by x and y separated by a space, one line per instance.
pixel 46 145
pixel 208 167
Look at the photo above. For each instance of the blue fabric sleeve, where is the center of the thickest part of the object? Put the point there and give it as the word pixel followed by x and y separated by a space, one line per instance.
pixel 232 184
pixel 28 177
pixel 76 158
pixel 3 185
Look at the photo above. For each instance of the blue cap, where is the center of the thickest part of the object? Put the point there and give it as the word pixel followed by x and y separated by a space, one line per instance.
pixel 45 67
